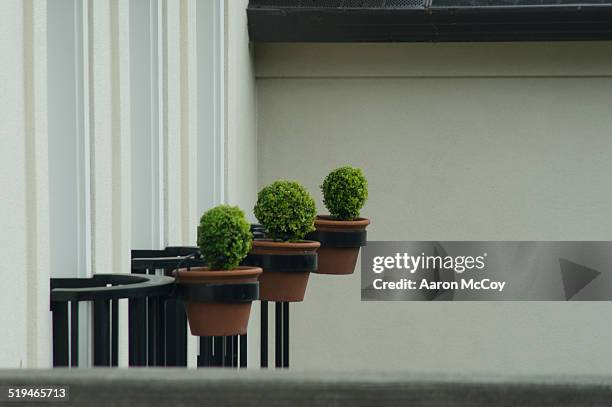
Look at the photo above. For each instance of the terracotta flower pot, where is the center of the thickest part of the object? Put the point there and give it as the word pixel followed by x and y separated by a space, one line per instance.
pixel 340 243
pixel 286 266
pixel 217 318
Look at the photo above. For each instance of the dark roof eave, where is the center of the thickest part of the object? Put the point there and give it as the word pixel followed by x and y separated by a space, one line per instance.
pixel 436 24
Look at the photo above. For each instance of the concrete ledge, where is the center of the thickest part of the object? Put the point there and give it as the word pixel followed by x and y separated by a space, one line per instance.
pixel 222 387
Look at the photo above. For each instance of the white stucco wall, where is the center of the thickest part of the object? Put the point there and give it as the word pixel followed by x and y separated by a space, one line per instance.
pixel 121 171
pixel 24 212
pixel 459 142
pixel 241 141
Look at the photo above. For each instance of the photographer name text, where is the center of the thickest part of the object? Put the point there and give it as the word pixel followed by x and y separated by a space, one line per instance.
pixel 412 264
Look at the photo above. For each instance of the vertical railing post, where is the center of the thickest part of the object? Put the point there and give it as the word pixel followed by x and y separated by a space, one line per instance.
pixel 218 355
pixel 101 333
pixel 181 332
pixel 278 335
pixel 60 333
pixel 263 351
pixel 176 333
pixel 161 331
pixel 151 331
pixel 74 333
pixel 235 351
pixel 175 330
pixel 243 350
pixel 137 332
pixel 206 351
pixel 286 334
pixel 114 332
pixel 228 351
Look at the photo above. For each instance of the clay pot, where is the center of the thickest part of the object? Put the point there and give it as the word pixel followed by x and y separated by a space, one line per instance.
pixel 217 318
pixel 339 257
pixel 288 278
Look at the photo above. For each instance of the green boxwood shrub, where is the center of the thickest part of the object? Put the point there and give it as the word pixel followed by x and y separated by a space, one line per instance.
pixel 224 237
pixel 286 210
pixel 345 190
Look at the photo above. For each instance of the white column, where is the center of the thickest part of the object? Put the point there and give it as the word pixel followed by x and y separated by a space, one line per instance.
pixel 211 103
pixel 23 176
pixel 147 128
pixel 37 181
pixel 68 155
pixel 111 160
pixel 70 239
pixel 181 129
pixel 122 140
pixel 109 112
pixel 181 122
pixel 189 82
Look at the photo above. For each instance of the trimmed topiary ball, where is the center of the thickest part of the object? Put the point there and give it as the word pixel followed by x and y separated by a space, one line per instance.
pixel 286 210
pixel 345 191
pixel 224 237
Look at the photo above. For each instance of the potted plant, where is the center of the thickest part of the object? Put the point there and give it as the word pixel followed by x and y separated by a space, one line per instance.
pixel 342 233
pixel 287 212
pixel 218 297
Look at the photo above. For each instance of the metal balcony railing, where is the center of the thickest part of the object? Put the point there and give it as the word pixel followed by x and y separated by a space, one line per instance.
pixel 158 329
pixel 218 351
pixel 281 324
pixel 104 291
pixel 172 334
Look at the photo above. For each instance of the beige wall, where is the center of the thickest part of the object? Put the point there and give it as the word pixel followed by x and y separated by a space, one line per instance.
pixel 459 141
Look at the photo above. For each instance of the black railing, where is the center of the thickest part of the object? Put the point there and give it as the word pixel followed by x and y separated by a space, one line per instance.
pixel 218 351
pixel 104 291
pixel 281 334
pixel 158 328
pixel 171 333
pixel 281 324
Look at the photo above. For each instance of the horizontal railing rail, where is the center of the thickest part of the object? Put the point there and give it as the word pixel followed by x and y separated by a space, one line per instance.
pixel 107 286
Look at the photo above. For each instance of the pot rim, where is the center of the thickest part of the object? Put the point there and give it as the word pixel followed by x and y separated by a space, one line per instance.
pixel 327 220
pixel 275 244
pixel 240 271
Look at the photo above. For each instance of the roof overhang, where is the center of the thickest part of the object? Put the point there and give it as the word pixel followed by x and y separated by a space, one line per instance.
pixel 428 20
